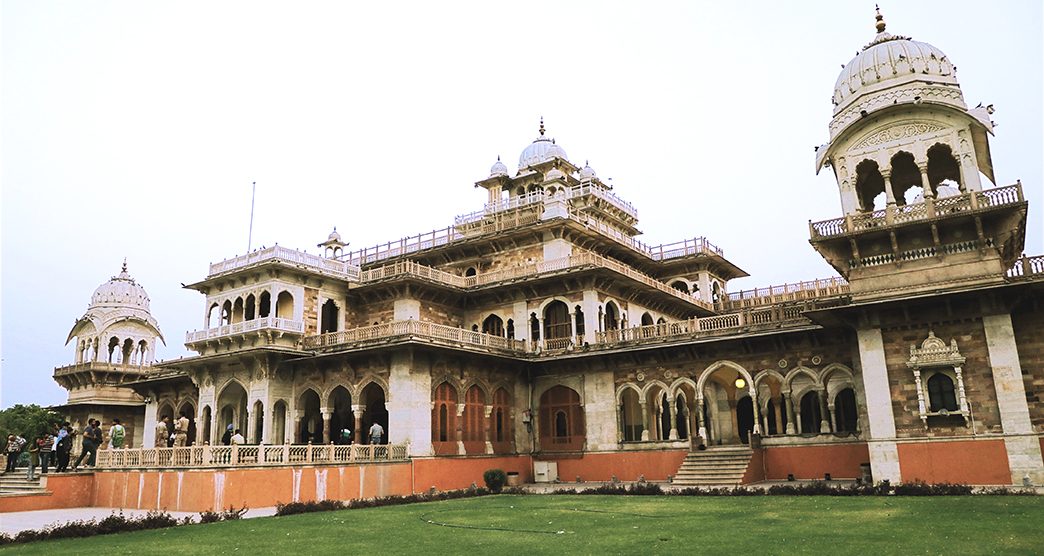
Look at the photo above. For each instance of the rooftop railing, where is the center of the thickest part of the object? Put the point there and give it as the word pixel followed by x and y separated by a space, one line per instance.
pixel 245 455
pixel 263 323
pixel 1027 267
pixel 415 328
pixel 316 263
pixel 705 326
pixel 527 270
pixel 973 200
pixel 797 291
pixel 101 366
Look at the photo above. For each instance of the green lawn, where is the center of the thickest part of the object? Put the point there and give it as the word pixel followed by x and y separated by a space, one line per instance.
pixel 524 525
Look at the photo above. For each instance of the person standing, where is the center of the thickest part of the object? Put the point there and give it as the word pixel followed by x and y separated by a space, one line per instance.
pixel 64 447
pixel 34 459
pixel 181 427
pixel 226 438
pixel 162 432
pixel 117 433
pixel 46 444
pixel 237 438
pixel 13 450
pixel 90 444
pixel 376 433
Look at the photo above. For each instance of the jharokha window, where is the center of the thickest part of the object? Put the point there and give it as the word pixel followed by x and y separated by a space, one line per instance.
pixel 939 375
pixel 561 420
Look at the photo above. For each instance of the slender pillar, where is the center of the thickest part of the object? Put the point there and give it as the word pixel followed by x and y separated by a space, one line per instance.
pixel 298 415
pixel 645 421
pixel 884 453
pixel 250 424
pixel 824 413
pixel 327 414
pixel 357 411
pixel 788 401
pixel 757 409
pixel 778 410
pixel 488 428
pixel 673 434
pixel 1022 444
pixel 735 419
pixel 701 425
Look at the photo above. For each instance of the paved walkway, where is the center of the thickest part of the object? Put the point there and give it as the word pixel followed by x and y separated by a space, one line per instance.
pixel 13 522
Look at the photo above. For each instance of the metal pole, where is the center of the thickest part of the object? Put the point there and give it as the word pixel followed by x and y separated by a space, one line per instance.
pixel 250 233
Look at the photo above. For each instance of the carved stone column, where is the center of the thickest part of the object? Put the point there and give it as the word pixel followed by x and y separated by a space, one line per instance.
pixel 702 427
pixel 298 415
pixel 671 404
pixel 824 414
pixel 357 411
pixel 788 401
pixel 488 428
pixel 327 414
pixel 757 409
pixel 645 420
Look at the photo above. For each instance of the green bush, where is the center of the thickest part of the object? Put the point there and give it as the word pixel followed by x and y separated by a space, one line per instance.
pixel 495 480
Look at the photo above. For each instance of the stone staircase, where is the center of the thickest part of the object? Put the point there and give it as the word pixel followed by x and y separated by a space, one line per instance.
pixel 16 483
pixel 716 466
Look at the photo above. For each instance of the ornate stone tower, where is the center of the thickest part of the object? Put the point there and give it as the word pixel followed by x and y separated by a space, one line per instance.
pixel 908 156
pixel 115 343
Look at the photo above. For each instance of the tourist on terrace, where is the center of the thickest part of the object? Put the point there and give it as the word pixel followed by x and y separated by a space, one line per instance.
pixel 181 429
pixel 34 459
pixel 376 433
pixel 162 432
pixel 346 437
pixel 63 447
pixel 117 433
pixel 92 437
pixel 226 438
pixel 46 445
pixel 237 438
pixel 13 450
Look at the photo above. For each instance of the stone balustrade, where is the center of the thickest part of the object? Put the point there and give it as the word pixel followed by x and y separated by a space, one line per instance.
pixel 275 324
pixel 293 257
pixel 1027 267
pixel 798 291
pixel 412 328
pixel 921 253
pixel 929 208
pixel 246 455
pixel 101 366
pixel 707 326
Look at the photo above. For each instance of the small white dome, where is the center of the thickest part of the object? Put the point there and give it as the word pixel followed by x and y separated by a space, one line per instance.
pixel 498 169
pixel 542 149
pixel 587 173
pixel 554 174
pixel 334 236
pixel 121 291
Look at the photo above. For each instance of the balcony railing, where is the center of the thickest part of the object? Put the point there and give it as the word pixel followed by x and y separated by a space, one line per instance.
pixel 316 263
pixel 263 323
pixel 414 328
pixel 408 268
pixel 101 366
pixel 1027 267
pixel 813 289
pixel 706 326
pixel 242 455
pixel 921 253
pixel 535 197
pixel 973 200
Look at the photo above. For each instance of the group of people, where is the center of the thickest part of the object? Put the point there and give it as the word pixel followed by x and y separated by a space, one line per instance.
pixel 172 434
pixel 57 443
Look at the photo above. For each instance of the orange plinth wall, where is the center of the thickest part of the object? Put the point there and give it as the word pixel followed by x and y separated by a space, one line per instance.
pixel 973 462
pixel 813 462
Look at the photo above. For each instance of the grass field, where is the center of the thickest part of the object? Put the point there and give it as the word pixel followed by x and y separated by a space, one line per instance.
pixel 611 525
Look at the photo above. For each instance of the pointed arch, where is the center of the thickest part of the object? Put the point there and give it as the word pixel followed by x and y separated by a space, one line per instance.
pixel 718 365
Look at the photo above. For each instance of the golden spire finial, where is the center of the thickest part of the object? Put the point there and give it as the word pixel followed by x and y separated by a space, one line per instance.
pixel 880 19
pixel 541 126
pixel 125 264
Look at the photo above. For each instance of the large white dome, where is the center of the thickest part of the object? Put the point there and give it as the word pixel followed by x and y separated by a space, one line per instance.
pixel 121 291
pixel 542 149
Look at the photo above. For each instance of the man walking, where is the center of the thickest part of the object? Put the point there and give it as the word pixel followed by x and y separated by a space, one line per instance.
pixel 46 444
pixel 116 434
pixel 162 432
pixel 91 440
pixel 376 433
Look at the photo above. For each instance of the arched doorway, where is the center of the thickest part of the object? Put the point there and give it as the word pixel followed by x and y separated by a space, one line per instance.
pixel 206 416
pixel 233 409
pixel 561 420
pixel 310 429
pixel 259 422
pixel 612 316
pixel 279 422
pixel 630 416
pixel 745 418
pixel 329 318
pixel 845 414
pixel 556 324
pixel 810 415
pixel 342 421
pixel 372 398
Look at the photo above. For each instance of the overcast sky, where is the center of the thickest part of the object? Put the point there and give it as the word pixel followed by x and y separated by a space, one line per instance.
pixel 134 129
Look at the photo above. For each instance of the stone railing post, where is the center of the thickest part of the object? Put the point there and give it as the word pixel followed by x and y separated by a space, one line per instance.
pixel 234 460
pixel 308 452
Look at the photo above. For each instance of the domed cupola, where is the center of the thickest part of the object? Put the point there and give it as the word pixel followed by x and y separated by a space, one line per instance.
pixel 587 173
pixel 542 149
pixel 498 169
pixel 120 291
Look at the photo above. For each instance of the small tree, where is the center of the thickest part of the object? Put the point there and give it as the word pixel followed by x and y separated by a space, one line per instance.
pixel 495 480
pixel 27 421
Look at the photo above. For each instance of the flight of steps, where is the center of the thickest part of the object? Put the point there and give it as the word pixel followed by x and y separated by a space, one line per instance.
pixel 16 483
pixel 717 466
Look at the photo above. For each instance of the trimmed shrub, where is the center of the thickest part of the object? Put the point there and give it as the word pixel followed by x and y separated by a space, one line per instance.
pixel 495 480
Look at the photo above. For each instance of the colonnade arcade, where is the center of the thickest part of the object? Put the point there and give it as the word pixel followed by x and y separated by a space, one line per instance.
pixel 726 404
pixel 471 417
pixel 881 182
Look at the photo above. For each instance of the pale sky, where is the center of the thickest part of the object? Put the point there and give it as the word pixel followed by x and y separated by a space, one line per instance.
pixel 134 129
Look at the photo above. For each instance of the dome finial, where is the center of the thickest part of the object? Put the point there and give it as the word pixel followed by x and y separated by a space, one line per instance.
pixel 124 264
pixel 880 19
pixel 541 126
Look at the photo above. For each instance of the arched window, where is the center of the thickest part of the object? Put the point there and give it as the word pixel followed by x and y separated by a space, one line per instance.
pixel 493 325
pixel 630 416
pixel 681 417
pixel 470 271
pixel 264 305
pixel 770 417
pixel 665 416
pixel 250 309
pixel 579 317
pixel 213 312
pixel 869 184
pixel 941 393
pixel 474 426
pixel 329 318
pixel 561 420
pixel 942 166
pixel 810 415
pixel 284 305
pixel 237 310
pixel 114 344
pixel 646 319
pixel 715 292
pixel 534 327
pixel 444 417
pixel 502 431
pixel 905 178
pixel 845 413
pixel 612 316
pixel 556 321
pixel 226 312
pixel 680 286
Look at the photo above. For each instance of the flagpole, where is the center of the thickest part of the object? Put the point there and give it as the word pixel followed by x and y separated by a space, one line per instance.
pixel 250 234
